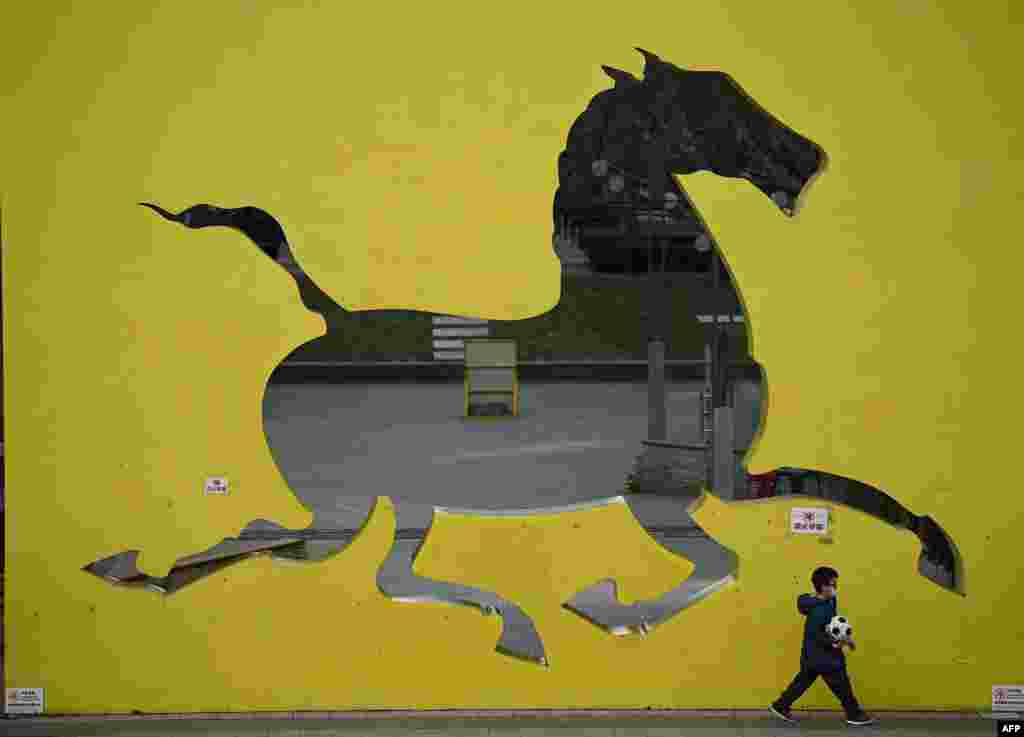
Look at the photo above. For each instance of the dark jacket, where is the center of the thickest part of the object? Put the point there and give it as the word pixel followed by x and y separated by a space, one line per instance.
pixel 818 653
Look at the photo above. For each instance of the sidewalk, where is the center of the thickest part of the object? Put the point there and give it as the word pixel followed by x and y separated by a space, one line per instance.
pixel 484 724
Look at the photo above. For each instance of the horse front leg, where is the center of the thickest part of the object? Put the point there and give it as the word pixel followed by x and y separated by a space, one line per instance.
pixel 396 580
pixel 715 568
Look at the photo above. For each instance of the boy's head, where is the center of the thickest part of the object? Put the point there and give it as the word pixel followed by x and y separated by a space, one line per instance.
pixel 824 581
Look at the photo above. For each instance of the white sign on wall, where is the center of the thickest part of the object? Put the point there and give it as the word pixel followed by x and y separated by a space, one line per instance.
pixel 217 485
pixel 1008 698
pixel 23 701
pixel 808 521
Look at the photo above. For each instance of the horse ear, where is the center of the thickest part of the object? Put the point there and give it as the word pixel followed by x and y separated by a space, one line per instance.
pixel 620 77
pixel 651 61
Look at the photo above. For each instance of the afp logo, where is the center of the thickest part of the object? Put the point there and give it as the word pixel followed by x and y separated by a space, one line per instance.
pixel 1014 726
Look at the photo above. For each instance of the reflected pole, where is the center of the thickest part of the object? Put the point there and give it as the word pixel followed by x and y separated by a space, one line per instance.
pixel 656 393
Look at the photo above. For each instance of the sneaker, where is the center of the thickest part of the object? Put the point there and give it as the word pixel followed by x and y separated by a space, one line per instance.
pixel 860 720
pixel 781 713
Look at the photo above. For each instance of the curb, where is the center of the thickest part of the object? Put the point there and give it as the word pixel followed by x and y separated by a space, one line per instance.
pixel 498 714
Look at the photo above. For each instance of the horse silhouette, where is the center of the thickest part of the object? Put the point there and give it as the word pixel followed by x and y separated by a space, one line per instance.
pixel 616 183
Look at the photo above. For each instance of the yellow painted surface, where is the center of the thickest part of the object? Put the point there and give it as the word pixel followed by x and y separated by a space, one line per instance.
pixel 410 154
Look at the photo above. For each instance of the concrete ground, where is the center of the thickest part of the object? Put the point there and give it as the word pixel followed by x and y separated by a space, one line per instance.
pixel 623 724
pixel 342 444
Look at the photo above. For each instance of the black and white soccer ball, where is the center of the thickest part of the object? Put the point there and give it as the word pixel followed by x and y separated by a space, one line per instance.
pixel 839 629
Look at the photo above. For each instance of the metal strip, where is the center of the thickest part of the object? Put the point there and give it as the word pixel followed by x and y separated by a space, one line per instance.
pixel 533 511
pixel 452 320
pixel 446 344
pixel 466 332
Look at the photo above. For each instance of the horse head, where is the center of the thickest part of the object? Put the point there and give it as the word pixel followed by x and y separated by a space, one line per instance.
pixel 634 136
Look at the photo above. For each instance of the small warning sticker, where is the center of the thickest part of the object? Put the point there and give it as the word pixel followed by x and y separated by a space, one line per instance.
pixel 1008 698
pixel 808 521
pixel 217 485
pixel 23 701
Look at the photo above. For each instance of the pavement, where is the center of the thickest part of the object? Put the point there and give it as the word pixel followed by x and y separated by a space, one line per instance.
pixel 481 724
pixel 339 446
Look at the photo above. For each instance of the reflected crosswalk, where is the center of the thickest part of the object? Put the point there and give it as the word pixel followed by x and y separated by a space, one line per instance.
pixel 449 334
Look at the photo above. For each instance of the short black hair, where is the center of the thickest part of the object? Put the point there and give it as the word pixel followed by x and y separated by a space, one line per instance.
pixel 822 576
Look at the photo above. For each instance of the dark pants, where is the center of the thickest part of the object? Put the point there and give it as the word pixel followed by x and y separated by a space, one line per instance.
pixel 838 681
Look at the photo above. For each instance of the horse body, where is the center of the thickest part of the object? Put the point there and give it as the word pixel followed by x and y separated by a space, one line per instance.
pixel 616 171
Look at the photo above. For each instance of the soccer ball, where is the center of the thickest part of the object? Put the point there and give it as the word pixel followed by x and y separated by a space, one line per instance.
pixel 839 629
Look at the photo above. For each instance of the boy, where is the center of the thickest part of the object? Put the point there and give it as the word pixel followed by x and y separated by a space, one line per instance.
pixel 821 656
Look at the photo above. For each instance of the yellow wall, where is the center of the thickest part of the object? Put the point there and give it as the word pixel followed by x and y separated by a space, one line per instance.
pixel 137 352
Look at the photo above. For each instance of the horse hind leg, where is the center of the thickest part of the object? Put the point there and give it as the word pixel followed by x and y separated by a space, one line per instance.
pixel 396 580
pixel 258 537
